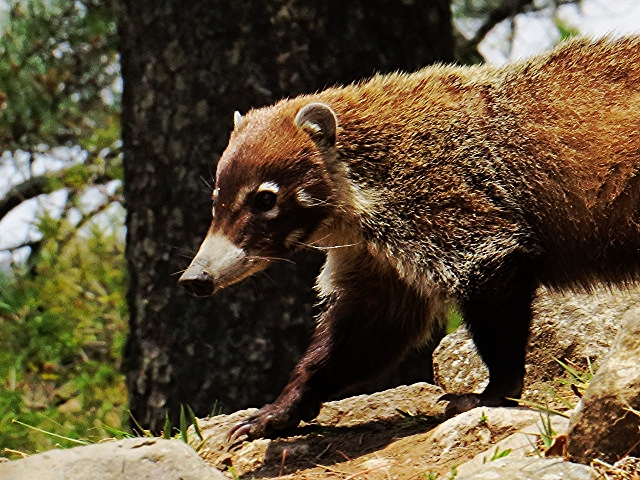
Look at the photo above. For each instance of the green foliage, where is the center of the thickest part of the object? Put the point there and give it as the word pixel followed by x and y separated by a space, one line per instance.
pixel 436 476
pixel 185 424
pixel 62 329
pixel 454 320
pixel 63 315
pixel 565 30
pixel 59 62
pixel 59 98
pixel 577 377
pixel 232 471
pixel 547 432
pixel 194 421
pixel 484 420
pixel 499 454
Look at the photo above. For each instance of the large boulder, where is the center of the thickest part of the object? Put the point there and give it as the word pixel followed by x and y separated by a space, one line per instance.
pixel 398 433
pixel 129 459
pixel 606 424
pixel 531 469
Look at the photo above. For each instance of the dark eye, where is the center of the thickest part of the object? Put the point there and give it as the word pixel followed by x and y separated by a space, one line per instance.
pixel 264 201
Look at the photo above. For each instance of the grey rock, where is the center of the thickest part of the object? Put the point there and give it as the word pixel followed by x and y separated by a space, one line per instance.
pixel 606 424
pixel 522 444
pixel 531 469
pixel 387 435
pixel 419 398
pixel 129 459
pixel 483 426
pixel 575 326
pixel 457 366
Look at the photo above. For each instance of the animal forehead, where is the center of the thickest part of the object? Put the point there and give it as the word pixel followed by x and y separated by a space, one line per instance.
pixel 239 178
pixel 263 161
pixel 269 132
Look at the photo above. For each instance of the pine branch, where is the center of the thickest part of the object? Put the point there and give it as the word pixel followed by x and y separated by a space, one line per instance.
pixel 41 185
pixel 26 190
pixel 506 9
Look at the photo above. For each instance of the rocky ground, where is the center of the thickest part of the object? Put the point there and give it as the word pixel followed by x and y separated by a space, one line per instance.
pixel 398 433
pixel 401 433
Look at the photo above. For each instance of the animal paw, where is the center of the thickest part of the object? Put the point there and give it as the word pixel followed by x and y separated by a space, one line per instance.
pixel 459 403
pixel 267 422
pixel 463 402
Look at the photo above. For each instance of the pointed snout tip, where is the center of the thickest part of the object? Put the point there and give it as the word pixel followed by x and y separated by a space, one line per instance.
pixel 197 283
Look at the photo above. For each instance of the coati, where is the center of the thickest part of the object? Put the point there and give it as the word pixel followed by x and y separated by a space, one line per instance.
pixel 465 186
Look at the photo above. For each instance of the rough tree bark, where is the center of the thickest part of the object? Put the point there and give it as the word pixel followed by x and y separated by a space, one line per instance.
pixel 186 67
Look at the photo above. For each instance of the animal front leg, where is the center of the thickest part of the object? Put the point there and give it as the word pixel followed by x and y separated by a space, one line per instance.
pixel 362 334
pixel 299 400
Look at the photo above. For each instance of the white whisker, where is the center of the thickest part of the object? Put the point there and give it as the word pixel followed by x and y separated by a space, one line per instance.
pixel 206 183
pixel 271 259
pixel 321 248
pixel 338 246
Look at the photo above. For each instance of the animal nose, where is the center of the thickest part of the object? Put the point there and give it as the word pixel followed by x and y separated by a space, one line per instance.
pixel 199 284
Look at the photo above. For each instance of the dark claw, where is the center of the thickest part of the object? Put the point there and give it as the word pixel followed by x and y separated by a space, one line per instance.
pixel 238 430
pixel 270 420
pixel 459 403
pixel 257 426
pixel 463 402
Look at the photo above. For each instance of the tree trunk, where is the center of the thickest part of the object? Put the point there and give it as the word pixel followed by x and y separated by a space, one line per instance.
pixel 186 67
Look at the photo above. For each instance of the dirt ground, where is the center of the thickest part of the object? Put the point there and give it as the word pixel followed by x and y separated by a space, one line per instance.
pixel 399 433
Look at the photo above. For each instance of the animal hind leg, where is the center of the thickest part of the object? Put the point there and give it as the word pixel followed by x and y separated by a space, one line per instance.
pixel 498 316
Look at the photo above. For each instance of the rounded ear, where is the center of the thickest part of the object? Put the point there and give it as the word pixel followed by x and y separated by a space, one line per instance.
pixel 320 122
pixel 238 120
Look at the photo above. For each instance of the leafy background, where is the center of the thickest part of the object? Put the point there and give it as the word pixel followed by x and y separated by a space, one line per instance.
pixel 62 311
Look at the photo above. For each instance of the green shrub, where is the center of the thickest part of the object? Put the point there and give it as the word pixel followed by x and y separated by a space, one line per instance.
pixel 62 330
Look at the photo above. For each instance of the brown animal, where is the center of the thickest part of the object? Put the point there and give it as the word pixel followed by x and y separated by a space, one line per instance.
pixel 465 186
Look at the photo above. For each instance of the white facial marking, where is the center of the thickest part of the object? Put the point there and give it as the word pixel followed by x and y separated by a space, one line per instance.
pixel 241 196
pixel 269 187
pixel 218 255
pixel 273 213
pixel 305 199
pixel 214 200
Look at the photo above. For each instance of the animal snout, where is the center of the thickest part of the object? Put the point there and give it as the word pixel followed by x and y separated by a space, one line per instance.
pixel 199 284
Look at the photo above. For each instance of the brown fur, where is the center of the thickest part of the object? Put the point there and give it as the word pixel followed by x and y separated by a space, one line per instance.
pixel 453 185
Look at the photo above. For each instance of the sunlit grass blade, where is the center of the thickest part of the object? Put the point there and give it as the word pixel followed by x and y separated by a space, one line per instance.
pixel 194 422
pixel 166 433
pixel 184 425
pixel 62 437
